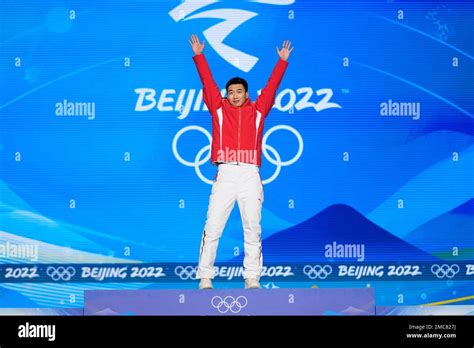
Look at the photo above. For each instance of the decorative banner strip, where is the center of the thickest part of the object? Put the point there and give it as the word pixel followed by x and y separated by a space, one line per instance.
pixel 174 272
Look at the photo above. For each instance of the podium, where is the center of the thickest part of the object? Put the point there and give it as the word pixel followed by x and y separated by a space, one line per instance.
pixel 215 302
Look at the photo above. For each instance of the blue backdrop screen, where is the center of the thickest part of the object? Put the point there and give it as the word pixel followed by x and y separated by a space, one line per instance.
pixel 368 154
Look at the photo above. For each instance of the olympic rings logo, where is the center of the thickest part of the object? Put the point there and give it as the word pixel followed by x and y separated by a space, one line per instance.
pixel 61 273
pixel 185 273
pixel 444 271
pixel 200 158
pixel 228 303
pixel 317 271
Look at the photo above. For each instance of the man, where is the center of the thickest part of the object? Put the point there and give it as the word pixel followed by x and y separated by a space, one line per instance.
pixel 237 129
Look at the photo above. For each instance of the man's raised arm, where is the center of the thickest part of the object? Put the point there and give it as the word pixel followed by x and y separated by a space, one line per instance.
pixel 211 94
pixel 266 99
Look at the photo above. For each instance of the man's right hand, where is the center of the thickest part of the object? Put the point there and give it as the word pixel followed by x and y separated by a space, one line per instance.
pixel 196 45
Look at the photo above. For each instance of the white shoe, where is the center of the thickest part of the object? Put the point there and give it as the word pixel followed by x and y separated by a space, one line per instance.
pixel 252 283
pixel 205 283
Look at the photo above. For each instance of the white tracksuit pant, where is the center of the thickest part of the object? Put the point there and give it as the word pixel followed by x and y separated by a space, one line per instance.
pixel 241 183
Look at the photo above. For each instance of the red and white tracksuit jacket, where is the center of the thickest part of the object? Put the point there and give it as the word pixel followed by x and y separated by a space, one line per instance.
pixel 237 149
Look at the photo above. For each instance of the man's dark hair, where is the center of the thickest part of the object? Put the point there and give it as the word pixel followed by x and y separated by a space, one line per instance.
pixel 235 81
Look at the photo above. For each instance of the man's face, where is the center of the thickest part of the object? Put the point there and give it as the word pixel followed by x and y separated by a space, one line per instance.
pixel 236 94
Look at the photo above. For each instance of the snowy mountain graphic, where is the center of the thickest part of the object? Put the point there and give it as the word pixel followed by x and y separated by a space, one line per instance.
pixel 342 224
pixel 454 229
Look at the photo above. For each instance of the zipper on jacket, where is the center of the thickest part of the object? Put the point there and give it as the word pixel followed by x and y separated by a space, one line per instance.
pixel 238 139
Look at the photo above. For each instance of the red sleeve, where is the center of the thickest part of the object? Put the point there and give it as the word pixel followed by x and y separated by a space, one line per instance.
pixel 266 99
pixel 211 93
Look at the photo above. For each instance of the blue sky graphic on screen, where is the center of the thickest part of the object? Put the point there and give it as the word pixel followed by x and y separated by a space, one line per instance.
pixel 368 153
